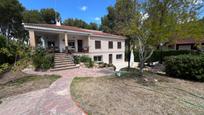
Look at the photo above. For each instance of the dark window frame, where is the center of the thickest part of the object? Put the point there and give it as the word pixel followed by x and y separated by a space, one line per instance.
pixel 97 44
pixel 119 44
pixel 119 56
pixel 98 58
pixel 110 45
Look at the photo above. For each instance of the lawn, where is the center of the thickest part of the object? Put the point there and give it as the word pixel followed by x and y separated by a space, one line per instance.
pixel 24 83
pixel 132 95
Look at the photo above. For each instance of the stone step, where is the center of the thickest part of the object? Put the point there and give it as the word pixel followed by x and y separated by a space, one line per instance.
pixel 65 65
pixel 64 60
pixel 64 68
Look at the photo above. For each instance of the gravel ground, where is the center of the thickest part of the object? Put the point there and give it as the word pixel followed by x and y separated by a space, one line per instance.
pixel 128 96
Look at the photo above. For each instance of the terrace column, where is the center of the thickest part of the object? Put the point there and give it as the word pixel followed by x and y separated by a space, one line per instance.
pixel 32 38
pixel 76 45
pixel 66 39
pixel 88 43
pixel 66 43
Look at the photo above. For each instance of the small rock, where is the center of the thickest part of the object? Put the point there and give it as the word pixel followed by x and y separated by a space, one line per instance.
pixel 145 79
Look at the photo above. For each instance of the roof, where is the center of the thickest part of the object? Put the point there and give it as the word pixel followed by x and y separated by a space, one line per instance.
pixel 187 41
pixel 72 29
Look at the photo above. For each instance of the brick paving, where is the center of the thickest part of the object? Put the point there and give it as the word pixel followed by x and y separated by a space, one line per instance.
pixel 55 100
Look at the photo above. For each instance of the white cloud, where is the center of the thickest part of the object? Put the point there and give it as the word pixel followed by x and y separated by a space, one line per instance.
pixel 84 8
pixel 97 19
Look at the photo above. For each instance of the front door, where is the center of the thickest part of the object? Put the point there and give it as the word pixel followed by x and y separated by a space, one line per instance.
pixel 80 45
pixel 110 58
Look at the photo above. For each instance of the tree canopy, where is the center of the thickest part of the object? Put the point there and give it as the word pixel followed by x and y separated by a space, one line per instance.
pixel 119 17
pixel 11 18
pixel 80 23
pixel 46 15
pixel 49 15
pixel 32 16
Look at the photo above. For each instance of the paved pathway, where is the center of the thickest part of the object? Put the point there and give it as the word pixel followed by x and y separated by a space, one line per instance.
pixel 55 100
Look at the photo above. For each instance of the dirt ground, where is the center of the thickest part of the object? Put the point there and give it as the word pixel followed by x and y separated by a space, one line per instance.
pixel 131 96
pixel 17 84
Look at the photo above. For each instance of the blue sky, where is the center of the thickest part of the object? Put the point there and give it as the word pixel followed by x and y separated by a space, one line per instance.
pixel 88 10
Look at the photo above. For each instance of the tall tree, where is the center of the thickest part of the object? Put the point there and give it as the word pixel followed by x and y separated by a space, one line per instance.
pixel 162 21
pixel 80 23
pixel 107 22
pixel 92 26
pixel 11 18
pixel 75 22
pixel 118 20
pixel 32 16
pixel 49 15
pixel 119 17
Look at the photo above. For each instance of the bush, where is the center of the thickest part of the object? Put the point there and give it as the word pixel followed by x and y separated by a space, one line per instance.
pixel 156 56
pixel 76 59
pixel 42 60
pixel 89 64
pixel 12 51
pixel 84 58
pixel 185 66
pixel 4 68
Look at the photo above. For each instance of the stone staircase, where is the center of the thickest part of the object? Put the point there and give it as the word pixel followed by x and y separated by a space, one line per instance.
pixel 63 62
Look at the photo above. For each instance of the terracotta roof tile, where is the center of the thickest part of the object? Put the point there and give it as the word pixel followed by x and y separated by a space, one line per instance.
pixel 187 41
pixel 93 32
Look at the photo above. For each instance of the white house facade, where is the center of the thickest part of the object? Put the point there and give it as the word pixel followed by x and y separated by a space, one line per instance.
pixel 100 46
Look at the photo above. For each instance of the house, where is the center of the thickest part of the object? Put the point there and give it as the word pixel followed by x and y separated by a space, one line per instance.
pixel 187 44
pixel 100 46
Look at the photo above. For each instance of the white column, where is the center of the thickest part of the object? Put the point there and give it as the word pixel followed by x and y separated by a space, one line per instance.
pixel 32 38
pixel 76 45
pixel 88 42
pixel 66 39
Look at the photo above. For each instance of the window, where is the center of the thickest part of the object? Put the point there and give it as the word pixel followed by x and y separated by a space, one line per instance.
pixel 71 43
pixel 119 45
pixel 119 56
pixel 110 45
pixel 97 44
pixel 98 58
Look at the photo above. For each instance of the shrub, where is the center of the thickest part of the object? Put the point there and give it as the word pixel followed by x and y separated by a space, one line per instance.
pixel 42 60
pixel 89 64
pixel 156 56
pixel 84 58
pixel 185 66
pixel 76 59
pixel 4 68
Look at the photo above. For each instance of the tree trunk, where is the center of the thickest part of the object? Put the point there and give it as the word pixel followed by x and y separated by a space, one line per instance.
pixel 128 55
pixel 141 68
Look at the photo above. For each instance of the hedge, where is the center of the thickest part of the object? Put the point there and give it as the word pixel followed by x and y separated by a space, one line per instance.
pixel 185 66
pixel 156 56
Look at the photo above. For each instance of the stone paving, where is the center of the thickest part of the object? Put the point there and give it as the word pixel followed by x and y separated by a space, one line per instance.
pixel 55 100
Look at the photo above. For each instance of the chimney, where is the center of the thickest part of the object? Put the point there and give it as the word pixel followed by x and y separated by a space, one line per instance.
pixel 58 23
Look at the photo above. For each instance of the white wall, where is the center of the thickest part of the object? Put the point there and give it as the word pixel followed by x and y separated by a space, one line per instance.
pixel 105 51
